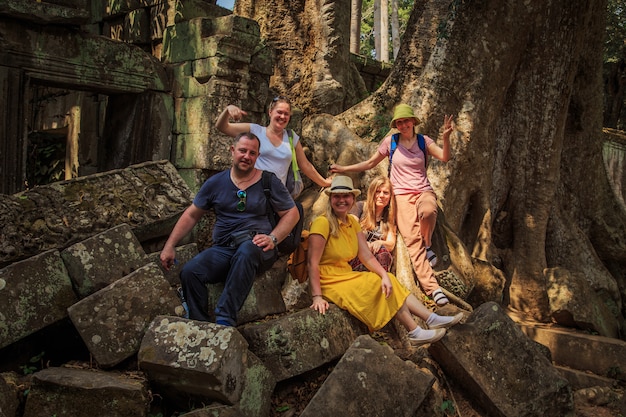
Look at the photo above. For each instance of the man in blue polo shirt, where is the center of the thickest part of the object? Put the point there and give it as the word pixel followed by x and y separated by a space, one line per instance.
pixel 244 242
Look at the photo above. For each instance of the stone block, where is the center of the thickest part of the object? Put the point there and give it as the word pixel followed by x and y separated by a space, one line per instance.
pixel 86 392
pixel 579 380
pixel 232 36
pixel 582 352
pixel 262 62
pixel 216 411
pixel 293 344
pixel 112 321
pixel 207 362
pixel 56 215
pixel 265 297
pixel 370 380
pixel 68 13
pixel 183 254
pixel 194 178
pixel 574 303
pixel 296 295
pixel 34 293
pixel 169 12
pixel 196 152
pixel 198 114
pixel 222 91
pixel 102 259
pixel 9 394
pixel 477 354
pixel 219 66
pixel 194 115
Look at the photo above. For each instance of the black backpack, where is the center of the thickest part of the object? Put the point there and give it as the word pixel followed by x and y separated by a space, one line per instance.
pixel 292 241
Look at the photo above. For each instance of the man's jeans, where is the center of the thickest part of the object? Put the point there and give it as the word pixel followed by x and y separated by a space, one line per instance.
pixel 236 267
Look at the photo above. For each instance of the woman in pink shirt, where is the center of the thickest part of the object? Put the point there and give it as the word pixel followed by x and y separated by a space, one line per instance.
pixel 415 199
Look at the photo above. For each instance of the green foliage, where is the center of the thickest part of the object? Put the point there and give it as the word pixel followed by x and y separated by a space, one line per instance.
pixel 31 366
pixel 615 372
pixel 283 408
pixel 46 159
pixel 381 121
pixel 614 43
pixel 448 407
pixel 442 28
pixel 367 26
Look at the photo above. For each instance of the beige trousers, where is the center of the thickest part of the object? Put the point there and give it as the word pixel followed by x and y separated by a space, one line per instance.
pixel 417 217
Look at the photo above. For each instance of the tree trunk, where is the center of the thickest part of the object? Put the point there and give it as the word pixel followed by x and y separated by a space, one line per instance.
pixel 614 92
pixel 384 31
pixel 526 188
pixel 310 40
pixel 377 29
pixel 355 27
pixel 395 28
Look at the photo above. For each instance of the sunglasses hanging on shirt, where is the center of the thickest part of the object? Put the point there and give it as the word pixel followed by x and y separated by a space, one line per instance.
pixel 241 204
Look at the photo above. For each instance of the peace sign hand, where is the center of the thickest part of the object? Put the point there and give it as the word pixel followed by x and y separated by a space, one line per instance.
pixel 448 124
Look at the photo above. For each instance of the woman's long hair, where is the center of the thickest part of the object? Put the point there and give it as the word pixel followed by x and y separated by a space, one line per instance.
pixel 368 221
pixel 333 221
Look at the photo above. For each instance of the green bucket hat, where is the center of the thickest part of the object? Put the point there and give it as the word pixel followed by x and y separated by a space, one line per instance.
pixel 403 111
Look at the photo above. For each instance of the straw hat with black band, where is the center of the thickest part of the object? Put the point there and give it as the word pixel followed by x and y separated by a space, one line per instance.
pixel 341 185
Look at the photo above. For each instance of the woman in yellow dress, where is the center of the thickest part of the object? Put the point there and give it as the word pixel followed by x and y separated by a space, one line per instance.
pixel 373 297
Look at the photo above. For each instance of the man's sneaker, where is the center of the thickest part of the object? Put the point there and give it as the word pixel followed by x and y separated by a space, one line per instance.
pixel 432 257
pixel 445 322
pixel 424 336
pixel 179 290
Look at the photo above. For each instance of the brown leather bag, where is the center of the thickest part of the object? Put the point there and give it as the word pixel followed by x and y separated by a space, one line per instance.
pixel 296 264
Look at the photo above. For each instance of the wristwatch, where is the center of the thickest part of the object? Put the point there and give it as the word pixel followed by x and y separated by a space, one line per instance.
pixel 274 240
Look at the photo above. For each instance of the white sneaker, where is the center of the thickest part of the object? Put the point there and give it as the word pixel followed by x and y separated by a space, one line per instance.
pixel 426 336
pixel 448 321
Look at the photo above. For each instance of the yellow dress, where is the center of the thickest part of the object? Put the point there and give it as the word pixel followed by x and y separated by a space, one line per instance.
pixel 358 292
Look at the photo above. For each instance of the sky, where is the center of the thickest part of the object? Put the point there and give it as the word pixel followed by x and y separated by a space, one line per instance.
pixel 226 3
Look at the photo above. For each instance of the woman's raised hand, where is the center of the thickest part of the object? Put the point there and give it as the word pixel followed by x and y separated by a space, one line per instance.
pixel 336 169
pixel 235 113
pixel 448 124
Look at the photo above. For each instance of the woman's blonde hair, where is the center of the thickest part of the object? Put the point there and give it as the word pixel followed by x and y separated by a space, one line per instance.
pixel 333 221
pixel 368 221
pixel 279 99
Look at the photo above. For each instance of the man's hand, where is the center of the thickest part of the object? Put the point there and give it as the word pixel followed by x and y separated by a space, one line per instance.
pixel 264 241
pixel 168 257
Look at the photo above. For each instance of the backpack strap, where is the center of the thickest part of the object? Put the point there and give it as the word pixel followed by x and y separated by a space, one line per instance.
pixel 421 143
pixel 392 148
pixel 266 181
pixel 294 160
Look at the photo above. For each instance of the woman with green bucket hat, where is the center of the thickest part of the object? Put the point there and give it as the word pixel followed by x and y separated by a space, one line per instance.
pixel 416 200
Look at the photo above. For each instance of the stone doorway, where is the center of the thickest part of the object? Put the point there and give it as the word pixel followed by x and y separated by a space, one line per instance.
pixel 64 129
pixel 63 78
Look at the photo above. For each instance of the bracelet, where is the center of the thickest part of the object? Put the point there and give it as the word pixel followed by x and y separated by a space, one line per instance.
pixel 316 295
